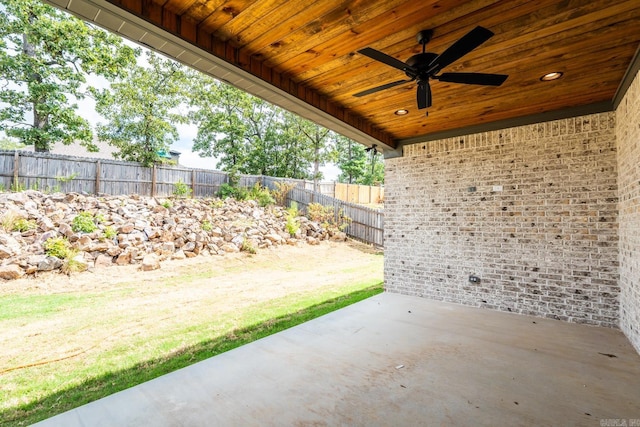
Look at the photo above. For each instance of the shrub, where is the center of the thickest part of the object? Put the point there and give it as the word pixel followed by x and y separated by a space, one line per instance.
pixel 180 189
pixel 168 204
pixel 281 191
pixel 228 190
pixel 58 247
pixel 84 222
pixel 261 195
pixel 326 216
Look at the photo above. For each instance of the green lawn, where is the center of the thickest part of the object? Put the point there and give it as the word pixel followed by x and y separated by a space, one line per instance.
pixel 62 349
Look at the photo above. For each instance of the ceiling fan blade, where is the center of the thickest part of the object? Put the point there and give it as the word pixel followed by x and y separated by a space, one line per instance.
pixel 424 95
pixel 473 78
pixel 385 59
pixel 379 88
pixel 466 44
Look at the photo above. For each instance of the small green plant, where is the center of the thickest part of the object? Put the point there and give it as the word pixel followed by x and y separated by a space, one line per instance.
pixel 99 218
pixel 58 247
pixel 293 210
pixel 292 226
pixel 180 189
pixel 67 178
pixel 327 217
pixel 216 203
pixel 281 191
pixel 84 222
pixel 2 189
pixel 109 232
pixel 247 246
pixel 17 187
pixel 71 264
pixel 22 225
pixel 206 225
pixel 261 195
pixel 35 185
pixel 167 204
pixel 293 223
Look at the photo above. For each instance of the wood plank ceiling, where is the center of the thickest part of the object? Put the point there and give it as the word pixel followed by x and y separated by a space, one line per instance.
pixel 309 49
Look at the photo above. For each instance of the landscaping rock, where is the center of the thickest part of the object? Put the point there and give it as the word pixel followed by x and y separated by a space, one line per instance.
pixel 150 262
pixel 11 272
pixel 103 260
pixel 5 252
pixel 142 227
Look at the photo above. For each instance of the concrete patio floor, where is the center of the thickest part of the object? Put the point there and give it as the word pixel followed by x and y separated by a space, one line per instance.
pixel 395 360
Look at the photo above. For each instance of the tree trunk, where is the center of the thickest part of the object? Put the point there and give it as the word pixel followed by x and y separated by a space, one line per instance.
pixel 39 121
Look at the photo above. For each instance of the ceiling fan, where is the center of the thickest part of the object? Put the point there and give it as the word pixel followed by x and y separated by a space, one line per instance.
pixel 426 65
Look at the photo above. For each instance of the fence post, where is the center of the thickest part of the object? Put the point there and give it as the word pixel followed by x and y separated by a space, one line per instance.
pixel 193 183
pixel 98 172
pixel 153 181
pixel 16 165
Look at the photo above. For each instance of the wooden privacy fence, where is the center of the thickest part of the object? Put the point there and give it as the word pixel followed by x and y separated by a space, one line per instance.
pixel 356 193
pixel 367 224
pixel 53 172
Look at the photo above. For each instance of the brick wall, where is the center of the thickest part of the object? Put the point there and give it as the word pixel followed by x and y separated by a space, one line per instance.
pixel 531 211
pixel 628 139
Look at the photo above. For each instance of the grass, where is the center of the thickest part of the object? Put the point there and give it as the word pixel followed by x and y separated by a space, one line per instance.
pixel 107 339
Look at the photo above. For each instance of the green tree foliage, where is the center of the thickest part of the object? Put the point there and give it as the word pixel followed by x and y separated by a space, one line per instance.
pixel 45 56
pixel 375 170
pixel 142 109
pixel 352 160
pixel 320 143
pixel 358 166
pixel 221 129
pixel 10 144
pixel 247 134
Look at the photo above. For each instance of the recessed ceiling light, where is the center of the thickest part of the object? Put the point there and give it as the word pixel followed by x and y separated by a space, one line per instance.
pixel 401 112
pixel 555 75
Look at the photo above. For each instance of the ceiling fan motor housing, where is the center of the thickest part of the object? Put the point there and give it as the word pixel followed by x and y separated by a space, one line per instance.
pixel 420 62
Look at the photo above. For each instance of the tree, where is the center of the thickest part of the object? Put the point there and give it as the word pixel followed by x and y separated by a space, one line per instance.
pixel 357 164
pixel 320 142
pixel 245 133
pixel 44 59
pixel 352 160
pixel 375 169
pixel 221 129
pixel 142 109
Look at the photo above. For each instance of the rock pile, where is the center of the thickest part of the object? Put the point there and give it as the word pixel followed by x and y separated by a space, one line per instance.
pixel 138 230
